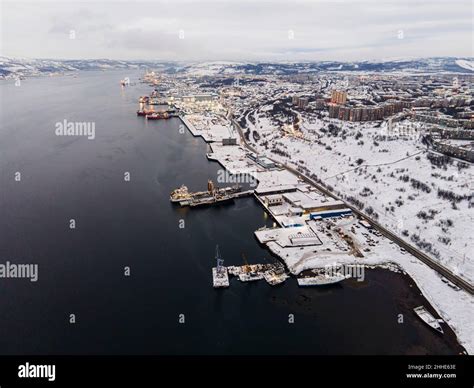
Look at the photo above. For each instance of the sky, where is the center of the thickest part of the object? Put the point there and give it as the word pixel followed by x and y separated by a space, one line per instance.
pixel 236 30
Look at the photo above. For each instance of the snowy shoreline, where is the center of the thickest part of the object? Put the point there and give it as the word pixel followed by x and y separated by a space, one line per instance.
pixel 436 292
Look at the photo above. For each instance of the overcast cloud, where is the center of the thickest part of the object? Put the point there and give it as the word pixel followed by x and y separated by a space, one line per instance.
pixel 237 30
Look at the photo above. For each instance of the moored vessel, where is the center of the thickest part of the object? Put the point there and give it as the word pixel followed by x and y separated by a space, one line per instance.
pixel 201 198
pixel 144 112
pixel 157 116
pixel 275 276
pixel 321 280
pixel 428 318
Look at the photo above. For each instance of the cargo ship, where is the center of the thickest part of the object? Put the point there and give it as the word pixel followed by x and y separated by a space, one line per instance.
pixel 144 112
pixel 428 318
pixel 212 195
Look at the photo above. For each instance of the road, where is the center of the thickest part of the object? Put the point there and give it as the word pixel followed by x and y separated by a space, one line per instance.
pixel 457 280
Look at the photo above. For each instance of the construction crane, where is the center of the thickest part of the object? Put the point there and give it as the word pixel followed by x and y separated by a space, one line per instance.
pixel 219 259
pixel 246 266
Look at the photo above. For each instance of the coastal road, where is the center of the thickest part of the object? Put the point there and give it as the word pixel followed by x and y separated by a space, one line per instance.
pixel 455 279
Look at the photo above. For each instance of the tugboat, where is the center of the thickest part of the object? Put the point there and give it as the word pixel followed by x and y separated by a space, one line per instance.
pixel 275 276
pixel 180 194
pixel 428 318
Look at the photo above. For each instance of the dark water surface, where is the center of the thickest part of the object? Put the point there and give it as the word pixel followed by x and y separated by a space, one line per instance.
pixel 120 224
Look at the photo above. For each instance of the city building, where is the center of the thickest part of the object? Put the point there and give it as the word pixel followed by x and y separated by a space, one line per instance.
pixel 301 102
pixel 465 152
pixel 365 113
pixel 320 103
pixel 338 97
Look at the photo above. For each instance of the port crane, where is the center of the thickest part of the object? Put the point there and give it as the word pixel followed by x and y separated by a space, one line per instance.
pixel 219 259
pixel 247 268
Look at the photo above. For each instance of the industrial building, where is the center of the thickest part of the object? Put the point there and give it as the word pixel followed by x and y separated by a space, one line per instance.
pixel 200 98
pixel 330 213
pixel 229 141
pixel 262 161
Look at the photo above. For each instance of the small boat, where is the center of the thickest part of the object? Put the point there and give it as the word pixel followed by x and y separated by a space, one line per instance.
pixel 275 276
pixel 428 318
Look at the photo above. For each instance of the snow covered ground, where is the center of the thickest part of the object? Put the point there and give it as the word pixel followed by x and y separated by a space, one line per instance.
pixel 468 65
pixel 456 307
pixel 423 197
pixel 394 155
pixel 210 127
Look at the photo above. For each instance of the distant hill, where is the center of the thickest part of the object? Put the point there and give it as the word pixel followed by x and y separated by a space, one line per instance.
pixel 428 65
pixel 13 67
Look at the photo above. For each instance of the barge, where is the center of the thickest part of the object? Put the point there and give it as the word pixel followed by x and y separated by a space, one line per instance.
pixel 220 277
